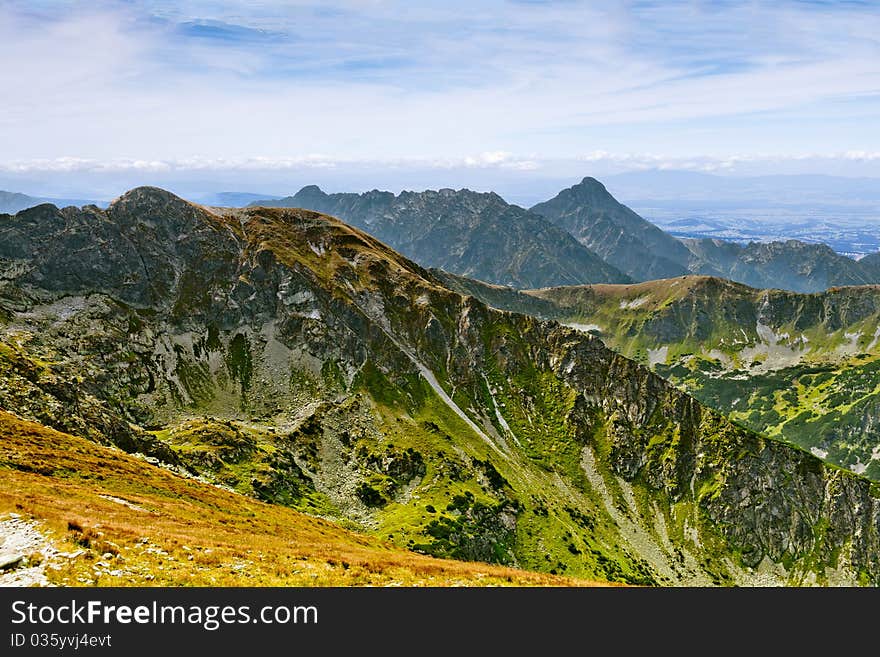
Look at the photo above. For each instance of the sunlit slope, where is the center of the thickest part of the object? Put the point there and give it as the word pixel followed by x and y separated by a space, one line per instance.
pixel 136 524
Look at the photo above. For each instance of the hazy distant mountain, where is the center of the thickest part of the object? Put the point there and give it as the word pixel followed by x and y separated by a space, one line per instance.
pixel 12 202
pixel 616 233
pixel 468 233
pixel 870 266
pixel 790 265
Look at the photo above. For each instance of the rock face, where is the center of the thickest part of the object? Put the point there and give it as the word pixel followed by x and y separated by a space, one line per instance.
pixel 468 233
pixel 619 235
pixel 10 560
pixel 294 358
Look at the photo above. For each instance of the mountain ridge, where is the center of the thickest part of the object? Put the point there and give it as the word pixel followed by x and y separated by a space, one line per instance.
pixel 473 233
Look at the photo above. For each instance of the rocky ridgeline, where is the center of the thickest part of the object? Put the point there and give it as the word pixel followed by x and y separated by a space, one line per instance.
pixel 468 233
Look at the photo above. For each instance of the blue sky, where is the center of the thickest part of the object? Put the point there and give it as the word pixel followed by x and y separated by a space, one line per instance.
pixel 269 94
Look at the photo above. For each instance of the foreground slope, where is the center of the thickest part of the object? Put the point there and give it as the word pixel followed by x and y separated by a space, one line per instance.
pixel 469 233
pixel 297 360
pixel 115 520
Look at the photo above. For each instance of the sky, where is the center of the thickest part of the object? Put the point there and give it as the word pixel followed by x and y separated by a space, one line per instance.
pixel 201 95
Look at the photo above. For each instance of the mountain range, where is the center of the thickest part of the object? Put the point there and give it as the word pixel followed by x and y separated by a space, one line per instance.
pixel 285 356
pixel 11 202
pixel 483 237
pixel 473 234
pixel 582 235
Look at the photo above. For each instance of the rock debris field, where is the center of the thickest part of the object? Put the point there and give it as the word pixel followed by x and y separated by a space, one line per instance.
pixel 25 551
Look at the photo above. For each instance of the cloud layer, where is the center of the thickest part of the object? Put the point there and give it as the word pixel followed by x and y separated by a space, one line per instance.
pixel 518 86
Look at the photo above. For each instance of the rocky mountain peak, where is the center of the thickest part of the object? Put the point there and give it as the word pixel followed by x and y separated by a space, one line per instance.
pixel 616 233
pixel 158 213
pixel 591 191
pixel 311 192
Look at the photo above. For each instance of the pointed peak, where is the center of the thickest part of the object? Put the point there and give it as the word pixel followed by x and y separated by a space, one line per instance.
pixel 311 190
pixel 590 184
pixel 588 191
pixel 589 181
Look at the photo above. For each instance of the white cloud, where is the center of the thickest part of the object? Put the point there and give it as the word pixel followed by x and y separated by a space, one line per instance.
pixel 497 160
pixel 511 87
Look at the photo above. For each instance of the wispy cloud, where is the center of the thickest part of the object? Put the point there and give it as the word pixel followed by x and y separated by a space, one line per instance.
pixel 498 160
pixel 249 85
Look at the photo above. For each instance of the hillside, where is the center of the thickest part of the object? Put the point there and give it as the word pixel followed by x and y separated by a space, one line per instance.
pixel 468 233
pixel 296 360
pixel 110 519
pixel 801 367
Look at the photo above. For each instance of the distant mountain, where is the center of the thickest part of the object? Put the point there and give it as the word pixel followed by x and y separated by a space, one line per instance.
pixel 645 252
pixel 620 236
pixel 473 234
pixel 870 266
pixel 12 202
pixel 790 265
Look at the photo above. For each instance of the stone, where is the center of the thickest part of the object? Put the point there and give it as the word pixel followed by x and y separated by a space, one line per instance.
pixel 10 560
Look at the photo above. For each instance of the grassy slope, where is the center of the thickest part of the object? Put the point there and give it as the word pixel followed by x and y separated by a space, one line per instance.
pixel 196 534
pixel 821 394
pixel 461 506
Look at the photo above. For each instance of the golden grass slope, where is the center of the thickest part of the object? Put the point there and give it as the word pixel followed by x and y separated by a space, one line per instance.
pixel 136 524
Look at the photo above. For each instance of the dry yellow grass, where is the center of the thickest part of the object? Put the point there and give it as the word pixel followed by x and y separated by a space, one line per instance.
pixel 163 529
